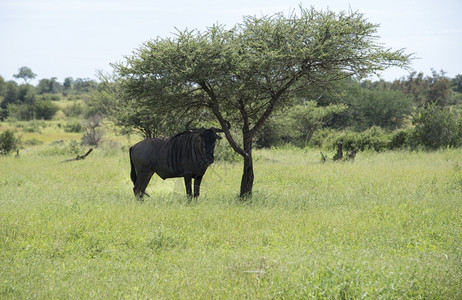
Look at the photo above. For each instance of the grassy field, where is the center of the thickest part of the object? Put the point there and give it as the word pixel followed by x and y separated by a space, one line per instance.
pixel 387 226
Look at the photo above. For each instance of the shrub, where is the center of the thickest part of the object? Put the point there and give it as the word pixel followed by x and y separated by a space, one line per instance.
pixel 436 128
pixel 32 126
pixel 8 142
pixel 297 124
pixel 73 127
pixel 400 138
pixel 224 152
pixel 20 112
pixel 33 142
pixel 73 110
pixel 374 138
pixel 93 132
pixel 75 147
pixel 45 109
pixel 49 97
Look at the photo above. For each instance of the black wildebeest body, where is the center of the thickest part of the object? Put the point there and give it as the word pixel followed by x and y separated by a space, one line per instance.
pixel 187 154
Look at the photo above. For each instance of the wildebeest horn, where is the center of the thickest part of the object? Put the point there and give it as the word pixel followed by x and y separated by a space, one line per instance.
pixel 187 125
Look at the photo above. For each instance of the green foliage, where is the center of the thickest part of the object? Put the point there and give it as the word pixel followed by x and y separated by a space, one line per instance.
pixel 45 109
pixel 83 85
pixel 10 94
pixel 42 109
pixel 8 142
pixel 26 94
pixel 374 138
pixel 456 83
pixel 368 106
pixel 25 73
pixel 21 102
pixel 49 97
pixel 20 112
pixel 49 86
pixel 135 114
pixel 426 90
pixel 224 153
pixel 2 87
pixel 75 126
pixel 75 147
pixel 73 110
pixel 280 48
pixel 26 102
pixel 93 131
pixel 436 128
pixel 297 124
pixel 401 139
pixel 33 142
pixel 32 126
pixel 67 84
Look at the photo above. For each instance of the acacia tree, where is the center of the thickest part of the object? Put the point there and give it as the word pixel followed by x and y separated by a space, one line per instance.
pixel 245 73
pixel 25 73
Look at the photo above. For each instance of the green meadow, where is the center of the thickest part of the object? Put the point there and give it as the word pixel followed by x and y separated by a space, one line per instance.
pixel 388 225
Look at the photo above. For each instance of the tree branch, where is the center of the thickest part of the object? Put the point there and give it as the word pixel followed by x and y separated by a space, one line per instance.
pixel 269 109
pixel 229 137
pixel 78 157
pixel 224 124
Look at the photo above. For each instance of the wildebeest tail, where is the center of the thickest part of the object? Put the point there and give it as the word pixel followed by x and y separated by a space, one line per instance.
pixel 133 171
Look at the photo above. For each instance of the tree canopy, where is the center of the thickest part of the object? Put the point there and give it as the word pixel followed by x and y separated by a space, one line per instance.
pixel 241 75
pixel 25 73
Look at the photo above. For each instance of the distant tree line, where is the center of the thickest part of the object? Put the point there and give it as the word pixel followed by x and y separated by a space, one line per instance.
pixel 414 111
pixel 27 102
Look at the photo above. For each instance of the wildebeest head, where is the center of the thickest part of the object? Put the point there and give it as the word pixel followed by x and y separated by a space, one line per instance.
pixel 207 139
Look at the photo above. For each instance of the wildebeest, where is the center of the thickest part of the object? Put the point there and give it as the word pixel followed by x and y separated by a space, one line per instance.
pixel 187 154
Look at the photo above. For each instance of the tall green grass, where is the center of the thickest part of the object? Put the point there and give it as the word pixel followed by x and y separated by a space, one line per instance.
pixel 387 225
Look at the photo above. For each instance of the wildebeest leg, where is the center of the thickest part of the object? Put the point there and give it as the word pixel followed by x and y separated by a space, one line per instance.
pixel 141 183
pixel 187 183
pixel 197 185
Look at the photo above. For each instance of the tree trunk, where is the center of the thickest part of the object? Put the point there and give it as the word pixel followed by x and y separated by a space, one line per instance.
pixel 247 174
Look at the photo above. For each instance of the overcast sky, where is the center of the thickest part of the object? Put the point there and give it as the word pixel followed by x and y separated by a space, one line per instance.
pixel 64 38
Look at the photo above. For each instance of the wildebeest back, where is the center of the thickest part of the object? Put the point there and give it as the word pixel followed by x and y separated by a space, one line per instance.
pixel 170 157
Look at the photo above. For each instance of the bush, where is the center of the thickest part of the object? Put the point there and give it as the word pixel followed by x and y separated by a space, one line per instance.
pixel 22 112
pixel 368 106
pixel 74 110
pixel 374 138
pixel 297 124
pixel 93 132
pixel 73 127
pixel 33 142
pixel 400 138
pixel 8 142
pixel 49 97
pixel 45 109
pixel 224 152
pixel 436 128
pixel 75 147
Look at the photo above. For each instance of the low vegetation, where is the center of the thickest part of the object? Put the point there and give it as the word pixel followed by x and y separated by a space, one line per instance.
pixel 384 226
